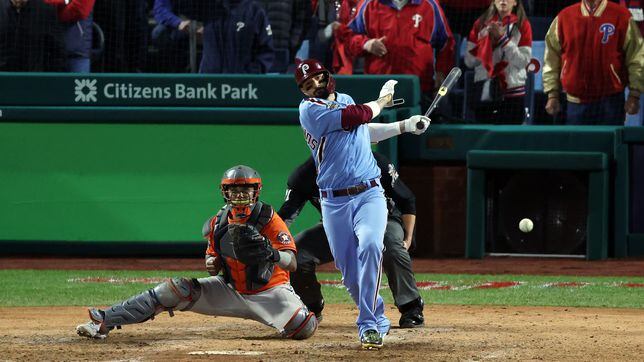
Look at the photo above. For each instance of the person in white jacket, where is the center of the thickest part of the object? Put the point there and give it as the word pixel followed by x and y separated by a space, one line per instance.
pixel 499 48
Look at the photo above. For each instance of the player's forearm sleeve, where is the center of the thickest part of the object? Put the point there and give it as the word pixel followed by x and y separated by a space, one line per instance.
pixel 552 60
pixel 382 131
pixel 355 115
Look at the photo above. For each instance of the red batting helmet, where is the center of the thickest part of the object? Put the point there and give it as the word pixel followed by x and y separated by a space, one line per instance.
pixel 311 67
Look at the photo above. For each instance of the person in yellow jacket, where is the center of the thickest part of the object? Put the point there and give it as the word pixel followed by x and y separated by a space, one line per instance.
pixel 593 51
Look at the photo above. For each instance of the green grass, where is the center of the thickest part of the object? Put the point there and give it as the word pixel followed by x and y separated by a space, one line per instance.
pixel 57 287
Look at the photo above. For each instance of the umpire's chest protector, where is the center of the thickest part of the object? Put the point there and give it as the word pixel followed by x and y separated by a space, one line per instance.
pixel 252 277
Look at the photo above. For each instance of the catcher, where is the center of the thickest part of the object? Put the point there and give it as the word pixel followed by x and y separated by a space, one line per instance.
pixel 250 243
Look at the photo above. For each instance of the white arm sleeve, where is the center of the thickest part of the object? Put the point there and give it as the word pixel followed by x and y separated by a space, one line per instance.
pixel 382 131
pixel 375 108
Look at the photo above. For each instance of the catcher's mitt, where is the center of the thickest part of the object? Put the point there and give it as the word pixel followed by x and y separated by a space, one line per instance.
pixel 250 246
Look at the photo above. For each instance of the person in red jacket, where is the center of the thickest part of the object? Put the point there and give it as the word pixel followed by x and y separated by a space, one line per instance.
pixel 593 51
pixel 399 37
pixel 76 15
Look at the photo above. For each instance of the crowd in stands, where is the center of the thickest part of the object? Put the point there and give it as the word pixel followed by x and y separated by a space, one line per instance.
pixel 493 39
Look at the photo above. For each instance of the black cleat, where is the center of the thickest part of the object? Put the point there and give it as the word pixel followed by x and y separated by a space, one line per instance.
pixel 412 319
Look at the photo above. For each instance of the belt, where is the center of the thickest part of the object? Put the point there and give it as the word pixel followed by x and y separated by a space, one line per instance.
pixel 350 191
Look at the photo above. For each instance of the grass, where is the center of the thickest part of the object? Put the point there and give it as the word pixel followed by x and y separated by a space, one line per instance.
pixel 62 287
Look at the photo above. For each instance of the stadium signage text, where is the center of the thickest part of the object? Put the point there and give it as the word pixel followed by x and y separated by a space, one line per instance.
pixel 89 91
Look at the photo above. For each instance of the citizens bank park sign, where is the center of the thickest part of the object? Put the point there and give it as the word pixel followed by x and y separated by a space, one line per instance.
pixel 88 90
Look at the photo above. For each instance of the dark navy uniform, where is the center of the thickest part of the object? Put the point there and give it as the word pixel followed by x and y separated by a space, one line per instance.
pixel 313 246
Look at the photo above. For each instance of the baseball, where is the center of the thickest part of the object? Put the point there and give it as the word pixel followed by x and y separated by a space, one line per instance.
pixel 525 225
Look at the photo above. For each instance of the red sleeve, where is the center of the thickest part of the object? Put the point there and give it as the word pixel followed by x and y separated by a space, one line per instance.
pixel 355 44
pixel 76 10
pixel 526 34
pixel 355 115
pixel 445 57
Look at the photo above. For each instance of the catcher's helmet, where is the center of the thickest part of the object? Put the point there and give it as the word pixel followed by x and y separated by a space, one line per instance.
pixel 241 175
pixel 308 69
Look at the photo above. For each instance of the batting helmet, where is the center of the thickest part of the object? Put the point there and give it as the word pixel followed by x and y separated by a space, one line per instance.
pixel 241 175
pixel 308 69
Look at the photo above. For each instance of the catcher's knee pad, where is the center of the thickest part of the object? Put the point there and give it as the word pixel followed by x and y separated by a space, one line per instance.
pixel 301 326
pixel 177 293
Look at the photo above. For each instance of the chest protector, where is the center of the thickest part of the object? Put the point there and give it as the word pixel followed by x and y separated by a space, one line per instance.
pixel 258 275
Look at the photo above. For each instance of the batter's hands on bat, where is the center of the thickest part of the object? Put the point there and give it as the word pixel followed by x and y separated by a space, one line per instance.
pixel 411 124
pixel 632 105
pixel 553 106
pixel 388 91
pixel 250 246
pixel 376 46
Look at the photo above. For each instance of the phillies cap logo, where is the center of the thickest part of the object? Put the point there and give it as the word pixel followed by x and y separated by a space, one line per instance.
pixel 607 29
pixel 305 68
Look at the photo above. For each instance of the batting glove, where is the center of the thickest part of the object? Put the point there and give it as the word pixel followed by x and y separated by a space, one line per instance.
pixel 416 124
pixel 388 89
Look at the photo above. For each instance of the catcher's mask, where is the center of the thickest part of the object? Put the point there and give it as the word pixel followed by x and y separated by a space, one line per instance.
pixel 240 187
pixel 310 68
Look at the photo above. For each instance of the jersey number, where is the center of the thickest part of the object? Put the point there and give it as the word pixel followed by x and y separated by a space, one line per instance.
pixel 312 142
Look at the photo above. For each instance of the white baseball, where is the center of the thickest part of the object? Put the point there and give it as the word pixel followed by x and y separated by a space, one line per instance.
pixel 525 225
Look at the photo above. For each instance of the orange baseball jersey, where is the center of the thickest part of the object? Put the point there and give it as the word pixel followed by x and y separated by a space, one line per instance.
pixel 275 230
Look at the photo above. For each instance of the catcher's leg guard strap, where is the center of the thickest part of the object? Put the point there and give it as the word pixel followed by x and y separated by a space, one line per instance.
pixel 178 293
pixel 301 326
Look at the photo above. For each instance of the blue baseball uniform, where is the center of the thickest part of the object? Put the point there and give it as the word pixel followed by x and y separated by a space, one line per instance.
pixel 354 209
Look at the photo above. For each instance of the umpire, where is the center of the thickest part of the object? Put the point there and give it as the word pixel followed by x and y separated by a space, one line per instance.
pixel 313 246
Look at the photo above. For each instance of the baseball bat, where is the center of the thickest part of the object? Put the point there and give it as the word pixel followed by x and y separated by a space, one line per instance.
pixel 445 87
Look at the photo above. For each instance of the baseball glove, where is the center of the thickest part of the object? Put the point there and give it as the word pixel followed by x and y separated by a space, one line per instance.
pixel 250 246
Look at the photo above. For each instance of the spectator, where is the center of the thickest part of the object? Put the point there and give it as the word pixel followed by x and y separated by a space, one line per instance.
pixel 289 21
pixel 462 13
pixel 237 38
pixel 399 37
pixel 594 85
pixel 635 7
pixel 31 38
pixel 171 35
pixel 499 47
pixel 77 17
pixel 330 34
pixel 125 24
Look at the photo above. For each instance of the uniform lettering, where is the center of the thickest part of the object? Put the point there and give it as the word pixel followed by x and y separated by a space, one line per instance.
pixel 310 140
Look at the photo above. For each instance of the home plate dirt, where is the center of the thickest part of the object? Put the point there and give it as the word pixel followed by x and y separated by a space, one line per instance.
pixel 452 333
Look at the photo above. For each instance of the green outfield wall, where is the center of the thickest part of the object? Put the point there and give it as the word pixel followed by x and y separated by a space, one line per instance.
pixel 158 183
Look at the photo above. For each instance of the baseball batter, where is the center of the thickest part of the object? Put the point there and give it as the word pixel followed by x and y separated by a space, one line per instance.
pixel 250 243
pixel 354 209
pixel 313 246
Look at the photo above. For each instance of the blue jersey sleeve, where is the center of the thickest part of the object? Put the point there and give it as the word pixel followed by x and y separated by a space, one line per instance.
pixel 320 118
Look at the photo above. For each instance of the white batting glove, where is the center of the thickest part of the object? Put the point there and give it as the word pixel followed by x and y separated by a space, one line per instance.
pixel 416 124
pixel 388 89
pixel 211 266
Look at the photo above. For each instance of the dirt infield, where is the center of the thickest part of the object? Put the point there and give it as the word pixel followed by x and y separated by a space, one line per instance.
pixel 488 265
pixel 453 333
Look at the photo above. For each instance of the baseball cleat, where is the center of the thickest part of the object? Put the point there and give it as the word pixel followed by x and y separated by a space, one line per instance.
pixel 371 339
pixel 90 330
